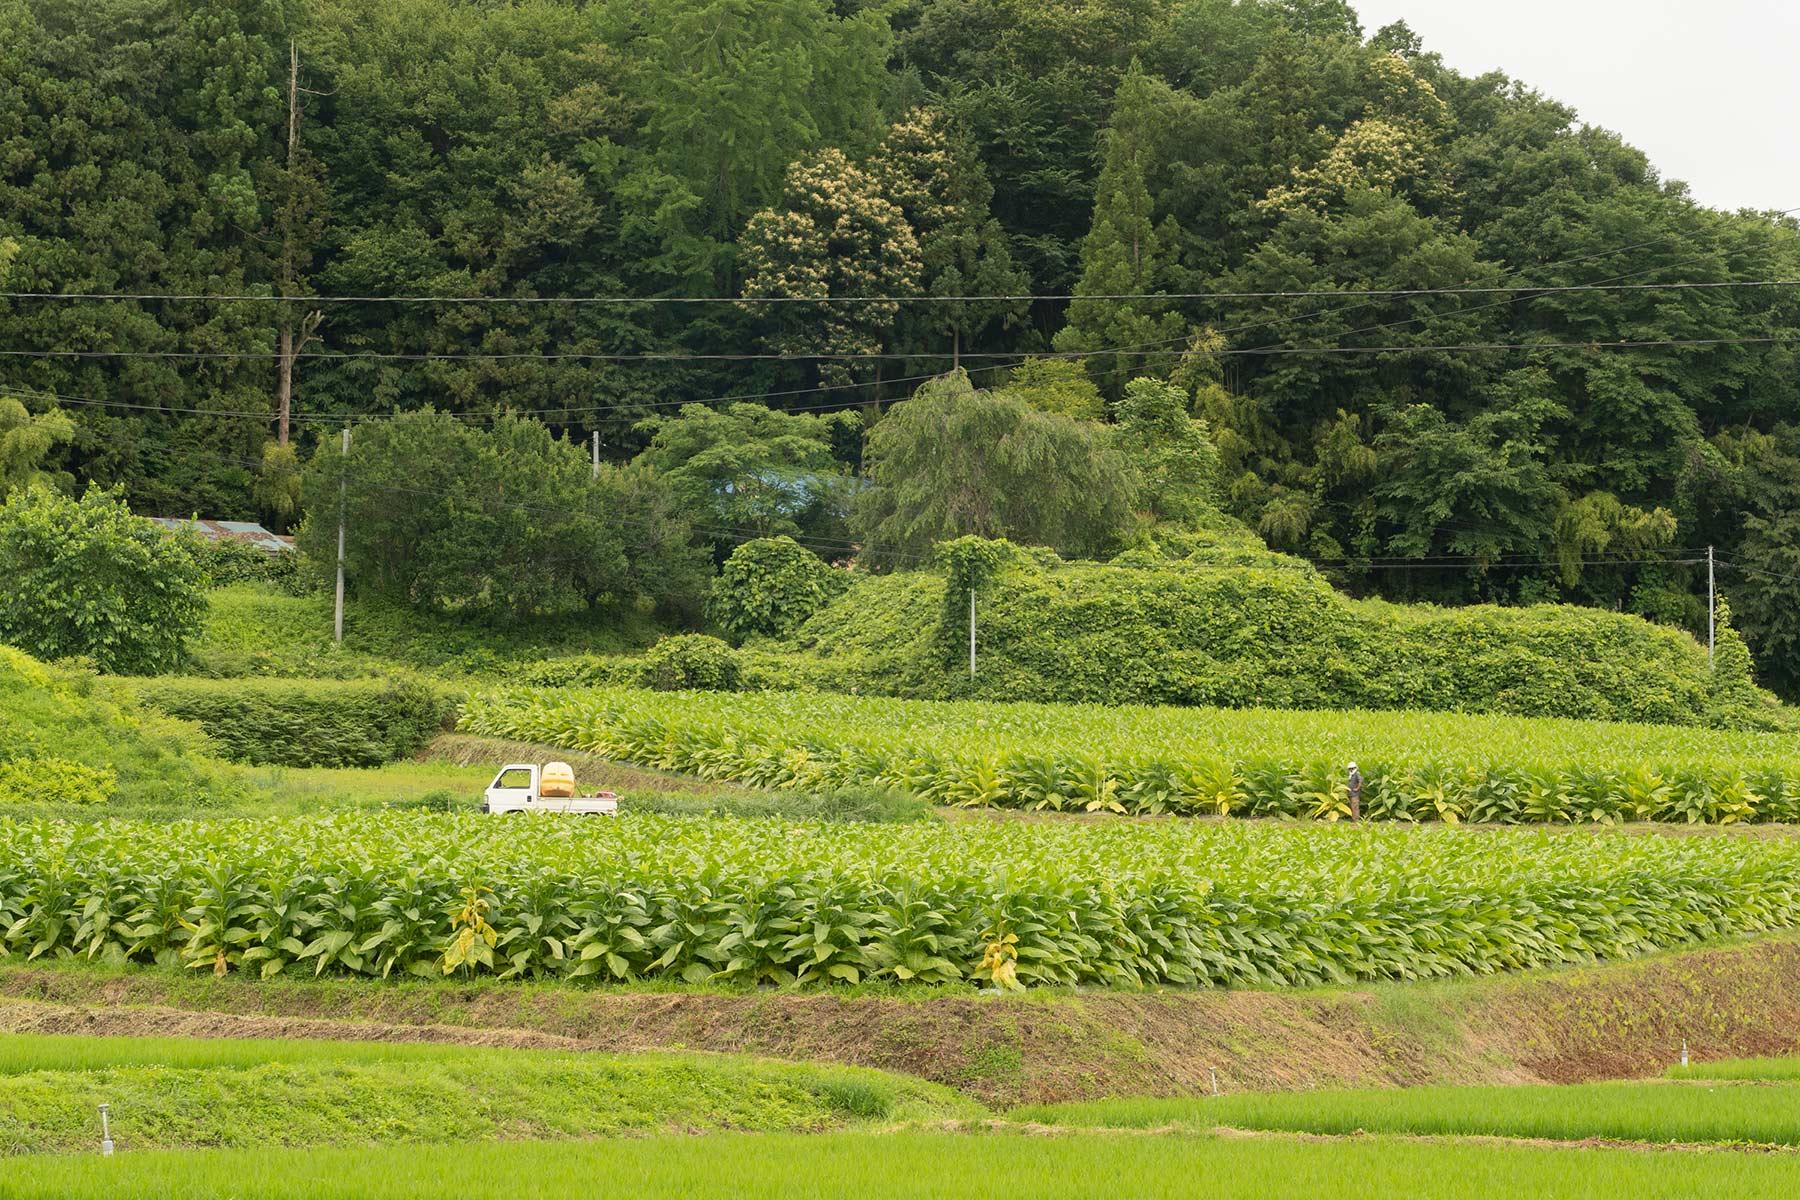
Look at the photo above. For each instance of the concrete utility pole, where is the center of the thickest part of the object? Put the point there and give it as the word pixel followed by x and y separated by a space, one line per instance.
pixel 337 629
pixel 971 631
pixel 1712 607
pixel 596 454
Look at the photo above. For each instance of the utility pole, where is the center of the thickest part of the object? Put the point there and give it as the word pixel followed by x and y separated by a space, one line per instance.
pixel 337 631
pixel 290 344
pixel 596 454
pixel 971 631
pixel 1712 606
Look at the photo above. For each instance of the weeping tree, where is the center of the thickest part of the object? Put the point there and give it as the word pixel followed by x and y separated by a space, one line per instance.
pixel 954 461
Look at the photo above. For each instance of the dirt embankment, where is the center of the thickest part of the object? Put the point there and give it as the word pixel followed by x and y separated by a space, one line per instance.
pixel 1615 1021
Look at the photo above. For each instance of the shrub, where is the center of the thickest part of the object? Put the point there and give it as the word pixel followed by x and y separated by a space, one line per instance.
pixel 228 562
pixel 691 662
pixel 582 670
pixel 770 586
pixel 307 723
pixel 54 781
pixel 87 578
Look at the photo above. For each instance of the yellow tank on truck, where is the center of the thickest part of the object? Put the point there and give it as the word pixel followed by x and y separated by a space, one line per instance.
pixel 557 781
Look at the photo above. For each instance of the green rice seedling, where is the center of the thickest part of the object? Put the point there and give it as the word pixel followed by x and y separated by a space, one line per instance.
pixel 1639 1112
pixel 906 1166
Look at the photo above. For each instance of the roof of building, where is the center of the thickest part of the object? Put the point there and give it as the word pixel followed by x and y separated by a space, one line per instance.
pixel 232 531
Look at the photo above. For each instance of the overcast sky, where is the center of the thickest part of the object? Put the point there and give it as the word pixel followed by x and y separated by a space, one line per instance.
pixel 1709 89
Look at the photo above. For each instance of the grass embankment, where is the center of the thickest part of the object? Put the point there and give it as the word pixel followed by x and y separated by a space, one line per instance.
pixel 906 1166
pixel 72 743
pixel 1625 1020
pixel 1723 1112
pixel 170 1093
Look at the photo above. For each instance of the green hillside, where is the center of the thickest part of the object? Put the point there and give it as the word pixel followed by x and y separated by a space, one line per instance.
pixel 68 738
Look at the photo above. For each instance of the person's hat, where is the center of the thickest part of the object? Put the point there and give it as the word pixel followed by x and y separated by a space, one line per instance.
pixel 1353 766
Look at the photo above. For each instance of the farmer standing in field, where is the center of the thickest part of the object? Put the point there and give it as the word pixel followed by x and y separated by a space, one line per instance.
pixel 1356 782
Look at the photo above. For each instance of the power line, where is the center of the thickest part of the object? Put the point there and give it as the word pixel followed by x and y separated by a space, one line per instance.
pixel 1773 575
pixel 882 356
pixel 988 298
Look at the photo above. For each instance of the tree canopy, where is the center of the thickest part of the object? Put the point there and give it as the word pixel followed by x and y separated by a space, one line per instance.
pixel 501 522
pixel 954 461
pixel 1338 247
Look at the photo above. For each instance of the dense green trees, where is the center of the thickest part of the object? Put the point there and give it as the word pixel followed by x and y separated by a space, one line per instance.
pixel 748 471
pixel 789 158
pixel 500 522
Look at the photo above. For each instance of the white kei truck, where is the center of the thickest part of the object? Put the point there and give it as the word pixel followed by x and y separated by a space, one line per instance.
pixel 527 787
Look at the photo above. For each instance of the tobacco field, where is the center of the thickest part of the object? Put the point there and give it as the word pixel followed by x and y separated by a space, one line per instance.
pixel 1417 766
pixel 768 901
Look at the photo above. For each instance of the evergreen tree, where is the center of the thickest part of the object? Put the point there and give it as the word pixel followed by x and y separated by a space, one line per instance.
pixel 934 179
pixel 1125 253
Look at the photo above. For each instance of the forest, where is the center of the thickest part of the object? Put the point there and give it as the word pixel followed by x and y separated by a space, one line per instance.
pixel 1444 340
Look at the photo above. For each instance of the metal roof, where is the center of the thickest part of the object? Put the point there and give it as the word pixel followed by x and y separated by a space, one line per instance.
pixel 233 531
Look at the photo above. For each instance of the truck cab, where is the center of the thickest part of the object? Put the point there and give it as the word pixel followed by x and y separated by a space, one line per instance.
pixel 519 787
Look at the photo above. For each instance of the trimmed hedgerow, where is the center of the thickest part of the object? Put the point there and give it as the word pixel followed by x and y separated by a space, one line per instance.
pixel 307 723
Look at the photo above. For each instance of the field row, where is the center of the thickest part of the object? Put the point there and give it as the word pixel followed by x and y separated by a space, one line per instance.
pixel 1417 766
pixel 749 902
pixel 908 1166
pixel 1732 1113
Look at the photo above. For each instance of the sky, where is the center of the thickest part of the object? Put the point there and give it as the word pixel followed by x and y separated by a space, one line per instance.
pixel 1707 88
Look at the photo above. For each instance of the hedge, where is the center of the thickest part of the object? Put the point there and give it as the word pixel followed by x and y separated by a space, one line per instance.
pixel 307 723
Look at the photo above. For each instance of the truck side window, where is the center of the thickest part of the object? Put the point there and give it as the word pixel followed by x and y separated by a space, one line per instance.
pixel 515 779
